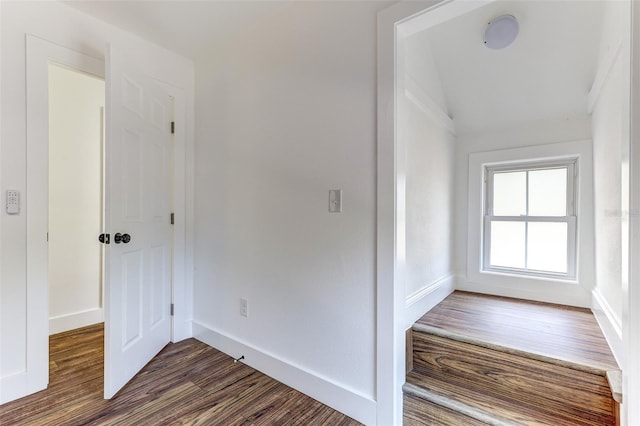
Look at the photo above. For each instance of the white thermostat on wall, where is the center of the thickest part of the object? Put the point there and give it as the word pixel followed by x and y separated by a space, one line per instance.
pixel 13 202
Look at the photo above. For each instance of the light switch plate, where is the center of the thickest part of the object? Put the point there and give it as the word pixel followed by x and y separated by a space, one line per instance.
pixel 335 200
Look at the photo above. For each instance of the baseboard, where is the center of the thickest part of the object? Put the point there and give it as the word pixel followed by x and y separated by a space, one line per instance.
pixel 610 325
pixel 13 387
pixel 75 320
pixel 18 385
pixel 182 329
pixel 353 404
pixel 422 301
pixel 571 295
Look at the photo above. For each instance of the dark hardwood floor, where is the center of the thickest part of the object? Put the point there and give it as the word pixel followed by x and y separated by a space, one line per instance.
pixel 188 383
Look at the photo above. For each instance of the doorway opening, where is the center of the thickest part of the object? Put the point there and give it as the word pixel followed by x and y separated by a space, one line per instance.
pixel 75 216
pixel 123 167
pixel 76 194
pixel 597 117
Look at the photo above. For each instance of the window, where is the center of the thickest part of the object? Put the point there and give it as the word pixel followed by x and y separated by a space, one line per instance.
pixel 530 219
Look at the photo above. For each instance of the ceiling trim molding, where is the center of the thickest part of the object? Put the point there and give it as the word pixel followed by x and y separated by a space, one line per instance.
pixel 414 92
pixel 605 69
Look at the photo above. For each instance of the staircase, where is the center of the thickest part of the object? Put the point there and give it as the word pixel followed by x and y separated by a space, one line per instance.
pixel 485 360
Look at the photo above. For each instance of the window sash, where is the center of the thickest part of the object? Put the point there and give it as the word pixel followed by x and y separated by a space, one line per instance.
pixel 570 165
pixel 571 222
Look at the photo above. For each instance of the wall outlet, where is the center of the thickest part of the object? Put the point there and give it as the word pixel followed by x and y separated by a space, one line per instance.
pixel 244 307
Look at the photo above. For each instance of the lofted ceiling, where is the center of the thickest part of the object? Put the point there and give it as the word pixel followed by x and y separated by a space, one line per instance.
pixel 187 27
pixel 545 74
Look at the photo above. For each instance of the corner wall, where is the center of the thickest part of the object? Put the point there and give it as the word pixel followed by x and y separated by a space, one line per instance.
pixel 609 100
pixel 426 174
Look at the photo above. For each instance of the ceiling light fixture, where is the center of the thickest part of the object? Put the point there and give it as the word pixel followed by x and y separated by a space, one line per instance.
pixel 501 32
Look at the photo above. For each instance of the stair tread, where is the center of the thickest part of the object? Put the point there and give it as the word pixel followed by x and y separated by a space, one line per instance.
pixel 553 331
pixel 516 408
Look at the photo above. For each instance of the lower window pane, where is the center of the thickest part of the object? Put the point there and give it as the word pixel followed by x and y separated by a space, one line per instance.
pixel 547 247
pixel 507 244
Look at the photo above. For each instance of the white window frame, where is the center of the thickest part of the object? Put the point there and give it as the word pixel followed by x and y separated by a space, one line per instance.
pixel 571 165
pixel 577 291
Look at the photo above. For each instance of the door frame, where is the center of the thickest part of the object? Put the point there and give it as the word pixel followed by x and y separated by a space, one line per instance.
pixel 39 52
pixel 393 23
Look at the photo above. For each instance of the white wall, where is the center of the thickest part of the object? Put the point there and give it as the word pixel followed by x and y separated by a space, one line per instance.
pixel 67 27
pixel 76 103
pixel 426 172
pixel 417 64
pixel 286 112
pixel 563 129
pixel 610 121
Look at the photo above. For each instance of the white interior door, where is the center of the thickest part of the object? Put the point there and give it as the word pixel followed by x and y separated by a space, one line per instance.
pixel 137 204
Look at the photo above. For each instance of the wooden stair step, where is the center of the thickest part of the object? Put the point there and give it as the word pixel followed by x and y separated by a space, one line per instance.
pixel 613 375
pixel 501 410
pixel 421 409
pixel 554 331
pixel 505 381
pixel 459 337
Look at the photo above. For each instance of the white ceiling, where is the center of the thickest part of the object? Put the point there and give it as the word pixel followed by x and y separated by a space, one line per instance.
pixel 187 27
pixel 545 74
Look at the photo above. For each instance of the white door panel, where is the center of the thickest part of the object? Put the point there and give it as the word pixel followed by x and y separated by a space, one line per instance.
pixel 138 196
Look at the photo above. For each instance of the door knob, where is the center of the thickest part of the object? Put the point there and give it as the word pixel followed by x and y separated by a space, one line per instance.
pixel 121 238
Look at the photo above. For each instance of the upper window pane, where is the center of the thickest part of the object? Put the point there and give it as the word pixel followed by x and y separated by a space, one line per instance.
pixel 548 192
pixel 510 194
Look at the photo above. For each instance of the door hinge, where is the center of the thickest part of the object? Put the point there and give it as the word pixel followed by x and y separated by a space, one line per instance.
pixel 173 127
pixel 104 238
pixel 173 218
pixel 172 309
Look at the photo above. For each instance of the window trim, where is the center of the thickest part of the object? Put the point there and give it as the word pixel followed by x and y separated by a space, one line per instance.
pixel 571 165
pixel 558 290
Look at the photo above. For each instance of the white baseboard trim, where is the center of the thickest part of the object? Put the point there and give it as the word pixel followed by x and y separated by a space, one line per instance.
pixel 422 301
pixel 571 295
pixel 610 324
pixel 349 402
pixel 13 387
pixel 18 385
pixel 182 329
pixel 75 320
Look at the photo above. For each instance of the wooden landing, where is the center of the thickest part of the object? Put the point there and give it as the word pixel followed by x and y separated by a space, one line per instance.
pixel 554 331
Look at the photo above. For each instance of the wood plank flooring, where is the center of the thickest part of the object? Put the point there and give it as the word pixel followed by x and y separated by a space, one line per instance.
pixel 510 362
pixel 555 331
pixel 188 383
pixel 418 412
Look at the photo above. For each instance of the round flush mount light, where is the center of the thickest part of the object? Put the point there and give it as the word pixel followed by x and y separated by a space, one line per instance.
pixel 501 32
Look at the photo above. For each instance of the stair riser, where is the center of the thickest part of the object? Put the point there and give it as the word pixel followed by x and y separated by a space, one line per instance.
pixel 533 385
pixel 419 412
